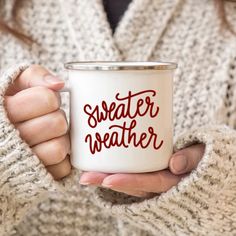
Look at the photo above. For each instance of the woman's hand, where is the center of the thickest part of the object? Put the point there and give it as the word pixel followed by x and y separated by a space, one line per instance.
pixel 33 106
pixel 147 184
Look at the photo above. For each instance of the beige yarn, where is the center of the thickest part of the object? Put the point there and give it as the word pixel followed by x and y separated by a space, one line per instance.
pixel 185 31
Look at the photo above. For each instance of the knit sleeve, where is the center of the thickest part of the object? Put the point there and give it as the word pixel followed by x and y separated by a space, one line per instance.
pixel 23 179
pixel 203 203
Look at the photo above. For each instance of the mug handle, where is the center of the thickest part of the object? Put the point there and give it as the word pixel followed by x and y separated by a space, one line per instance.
pixel 66 89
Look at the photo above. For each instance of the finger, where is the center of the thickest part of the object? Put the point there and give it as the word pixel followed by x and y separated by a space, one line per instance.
pixel 96 178
pixel 34 76
pixel 139 194
pixel 154 182
pixel 92 178
pixel 33 102
pixel 43 128
pixel 186 159
pixel 53 151
pixel 60 170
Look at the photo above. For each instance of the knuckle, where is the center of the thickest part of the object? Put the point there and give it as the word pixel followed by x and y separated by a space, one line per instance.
pixel 32 69
pixel 29 74
pixel 59 151
pixel 60 122
pixel 66 170
pixel 49 98
pixel 58 171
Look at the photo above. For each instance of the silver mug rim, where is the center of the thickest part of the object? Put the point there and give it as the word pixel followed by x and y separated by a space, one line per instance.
pixel 120 65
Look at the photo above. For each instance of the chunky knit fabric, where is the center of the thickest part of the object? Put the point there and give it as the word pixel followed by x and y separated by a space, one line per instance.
pixel 188 32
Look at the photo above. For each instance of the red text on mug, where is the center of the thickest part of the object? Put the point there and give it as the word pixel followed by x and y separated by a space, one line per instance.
pixel 123 133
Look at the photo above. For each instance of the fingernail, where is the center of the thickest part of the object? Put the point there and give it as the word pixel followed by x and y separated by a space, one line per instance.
pixel 179 163
pixel 84 183
pixel 53 79
pixel 106 185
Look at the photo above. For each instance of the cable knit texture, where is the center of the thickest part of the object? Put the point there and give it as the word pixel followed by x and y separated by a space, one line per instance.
pixel 187 32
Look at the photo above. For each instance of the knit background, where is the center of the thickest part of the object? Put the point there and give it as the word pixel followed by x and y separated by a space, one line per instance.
pixel 187 32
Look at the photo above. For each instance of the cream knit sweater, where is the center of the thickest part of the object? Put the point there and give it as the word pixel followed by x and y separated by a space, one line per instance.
pixel 185 31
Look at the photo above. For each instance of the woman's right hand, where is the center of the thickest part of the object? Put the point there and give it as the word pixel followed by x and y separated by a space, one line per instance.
pixel 33 106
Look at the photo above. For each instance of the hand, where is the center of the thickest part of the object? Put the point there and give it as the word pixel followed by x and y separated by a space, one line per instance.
pixel 33 106
pixel 147 184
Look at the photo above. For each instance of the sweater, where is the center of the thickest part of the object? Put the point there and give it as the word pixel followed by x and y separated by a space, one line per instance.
pixel 187 32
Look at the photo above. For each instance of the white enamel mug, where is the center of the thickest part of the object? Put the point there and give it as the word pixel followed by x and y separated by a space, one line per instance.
pixel 121 115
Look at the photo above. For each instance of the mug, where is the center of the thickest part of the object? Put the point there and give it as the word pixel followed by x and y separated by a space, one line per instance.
pixel 121 115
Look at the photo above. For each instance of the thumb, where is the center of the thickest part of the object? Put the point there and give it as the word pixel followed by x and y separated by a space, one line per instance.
pixel 186 159
pixel 34 76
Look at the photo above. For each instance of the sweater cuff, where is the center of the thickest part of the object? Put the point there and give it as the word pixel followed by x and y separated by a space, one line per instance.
pixel 23 178
pixel 185 208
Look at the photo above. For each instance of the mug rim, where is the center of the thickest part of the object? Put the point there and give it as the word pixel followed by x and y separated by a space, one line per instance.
pixel 120 65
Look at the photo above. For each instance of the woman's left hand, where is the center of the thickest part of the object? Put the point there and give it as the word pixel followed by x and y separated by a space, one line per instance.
pixel 147 184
